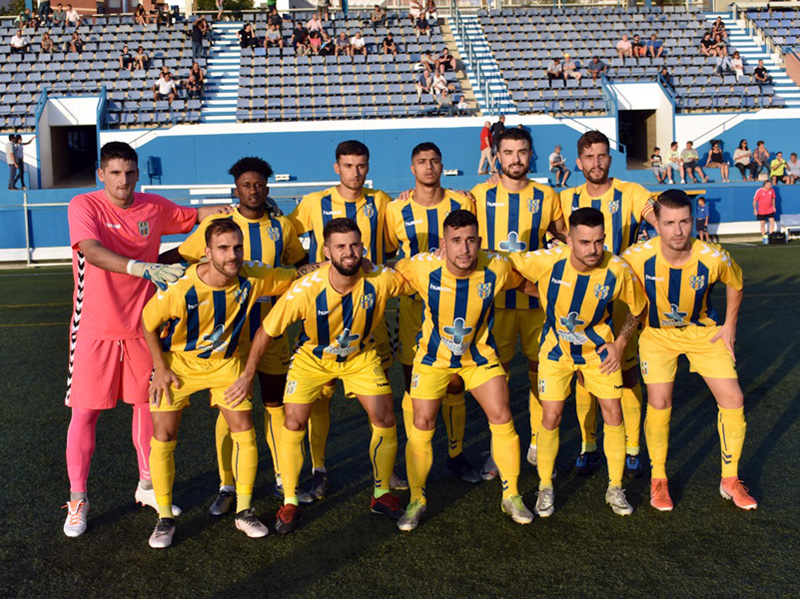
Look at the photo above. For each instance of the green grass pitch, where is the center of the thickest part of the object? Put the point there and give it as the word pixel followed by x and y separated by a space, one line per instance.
pixel 466 548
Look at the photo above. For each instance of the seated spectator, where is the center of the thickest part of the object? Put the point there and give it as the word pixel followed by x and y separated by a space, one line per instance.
pixel 737 64
pixel 422 83
pixel 743 160
pixel 655 46
pixel 46 44
pixel 20 43
pixel 761 76
pixel 192 87
pixel 674 163
pixel 438 83
pixel 463 107
pixel 165 88
pixel 624 47
pixel 707 45
pixel 75 44
pixel 152 14
pixel 421 26
pixel 777 170
pixel 247 38
pixel 415 9
pixel 666 77
pixel 555 70
pixel 299 40
pixel 570 68
pixel 657 163
pixel 343 45
pixel 326 46
pixel 59 16
pixel 273 18
pixel 427 61
pixel 445 61
pixel 126 60
pixel 689 156
pixel 314 42
pixel 73 19
pixel 444 99
pixel 559 167
pixel 717 160
pixel 596 68
pixel 377 17
pixel 431 14
pixel 793 168
pixel 140 15
pixel 701 220
pixel 720 45
pixel 389 45
pixel 358 45
pixel 199 76
pixel 761 157
pixel 314 24
pixel 718 28
pixel 638 49
pixel 45 12
pixel 723 61
pixel 141 59
pixel 273 39
pixel 25 19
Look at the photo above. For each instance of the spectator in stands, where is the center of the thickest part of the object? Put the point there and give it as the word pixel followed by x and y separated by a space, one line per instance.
pixel 761 157
pixel 777 170
pixel 701 219
pixel 199 29
pixel 624 47
pixel 165 88
pixel 377 17
pixel 72 17
pixel 19 43
pixel 764 209
pixel 415 9
pixel 717 160
pixel 220 9
pixel 707 45
pixel 314 42
pixel 430 12
pixel 743 160
pixel 596 68
pixel 723 61
pixel 326 46
pixel 141 59
pixel 793 166
pixel 674 163
pixel 299 40
pixel 76 44
pixel 192 87
pixel 315 24
pixel 637 47
pixel 273 18
pixel 438 83
pixel 497 130
pixel 199 76
pixel 689 156
pixel 655 46
pixel 718 28
pixel 486 150
pixel 25 19
pixel 59 16
pixel 421 26
pixel 139 15
pixel 45 12
pixel 358 45
pixel 11 160
pixel 273 39
pixel 247 38
pixel 462 107
pixel 152 14
pixel 666 78
pixel 555 70
pixel 445 61
pixel 343 45
pixel 422 83
pixel 46 44
pixel 559 167
pixel 444 99
pixel 126 60
pixel 427 61
pixel 570 68
pixel 657 163
pixel 389 45
pixel 737 64
pixel 19 155
pixel 761 76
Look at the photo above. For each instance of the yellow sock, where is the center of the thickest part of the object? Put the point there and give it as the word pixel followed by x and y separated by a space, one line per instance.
pixel 454 413
pixel 547 442
pixel 318 427
pixel 614 448
pixel 245 466
pixel 222 435
pixel 731 427
pixel 586 407
pixel 534 406
pixel 632 418
pixel 408 413
pixel 656 433
pixel 290 451
pixel 505 451
pixel 162 473
pixel 273 425
pixel 382 454
pixel 419 458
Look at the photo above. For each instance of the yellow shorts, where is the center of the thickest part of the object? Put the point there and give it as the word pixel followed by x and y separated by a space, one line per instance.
pixel 430 382
pixel 382 346
pixel 275 360
pixel 630 356
pixel 198 374
pixel 409 324
pixel 660 348
pixel 555 379
pixel 361 375
pixel 510 322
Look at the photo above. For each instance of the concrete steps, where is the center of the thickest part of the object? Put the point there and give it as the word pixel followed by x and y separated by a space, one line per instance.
pixel 222 74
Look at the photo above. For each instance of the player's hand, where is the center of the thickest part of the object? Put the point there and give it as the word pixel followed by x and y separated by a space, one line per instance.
pixel 367 266
pixel 613 357
pixel 159 386
pixel 404 195
pixel 468 195
pixel 307 268
pixel 239 391
pixel 439 253
pixel 160 274
pixel 494 179
pixel 223 209
pixel 728 336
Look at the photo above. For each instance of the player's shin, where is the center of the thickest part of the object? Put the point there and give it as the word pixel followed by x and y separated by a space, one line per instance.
pixel 632 417
pixel 408 414
pixel 454 413
pixel 80 448
pixel 419 458
pixel 273 426
pixel 656 433
pixel 505 450
pixel 142 432
pixel 534 406
pixel 222 436
pixel 290 453
pixel 614 449
pixel 162 471
pixel 731 427
pixel 547 444
pixel 382 454
pixel 319 425
pixel 586 408
pixel 245 463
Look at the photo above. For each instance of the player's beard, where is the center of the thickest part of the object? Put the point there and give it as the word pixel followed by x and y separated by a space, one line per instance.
pixel 228 268
pixel 592 176
pixel 523 172
pixel 347 271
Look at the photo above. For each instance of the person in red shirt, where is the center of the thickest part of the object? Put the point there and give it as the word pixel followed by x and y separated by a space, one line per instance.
pixel 764 209
pixel 115 235
pixel 486 150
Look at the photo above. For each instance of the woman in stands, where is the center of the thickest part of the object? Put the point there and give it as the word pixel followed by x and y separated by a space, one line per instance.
pixel 247 38
pixel 430 12
pixel 76 43
pixel 140 15
pixel 717 160
pixel 326 45
pixel 141 59
pixel 314 42
pixel 718 28
pixel 46 44
pixel 199 76
pixel 743 160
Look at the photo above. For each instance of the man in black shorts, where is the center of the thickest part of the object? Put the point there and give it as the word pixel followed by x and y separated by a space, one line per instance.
pixel 701 220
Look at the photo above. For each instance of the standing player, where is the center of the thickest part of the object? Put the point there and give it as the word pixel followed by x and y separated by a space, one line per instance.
pixel 678 274
pixel 515 214
pixel 624 205
pixel 205 313
pixel 340 308
pixel 577 286
pixel 414 226
pixel 458 292
pixel 115 235
pixel 348 199
pixel 268 238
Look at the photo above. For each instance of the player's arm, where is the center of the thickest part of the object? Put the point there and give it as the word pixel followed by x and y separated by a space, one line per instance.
pixel 615 349
pixel 558 229
pixel 730 274
pixel 238 392
pixel 205 211
pixel 162 377
pixel 101 257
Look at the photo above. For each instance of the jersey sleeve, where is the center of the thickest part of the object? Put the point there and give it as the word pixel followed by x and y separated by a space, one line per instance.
pixel 83 223
pixel 553 198
pixel 293 249
pixel 271 281
pixel 288 309
pixel 511 278
pixel 466 203
pixel 301 216
pixel 390 238
pixel 158 310
pixel 531 265
pixel 730 272
pixel 629 290
pixel 642 204
pixel 406 270
pixel 193 248
pixel 396 283
pixel 174 218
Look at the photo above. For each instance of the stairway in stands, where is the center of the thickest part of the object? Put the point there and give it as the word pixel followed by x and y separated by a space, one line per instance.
pixel 752 51
pixel 222 75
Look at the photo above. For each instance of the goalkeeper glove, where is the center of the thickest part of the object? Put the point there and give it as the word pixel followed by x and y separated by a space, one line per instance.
pixel 160 274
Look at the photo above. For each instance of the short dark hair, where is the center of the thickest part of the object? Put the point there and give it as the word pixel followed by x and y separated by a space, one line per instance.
pixel 426 146
pixel 515 134
pixel 588 217
pixel 656 149
pixel 458 219
pixel 218 226
pixel 117 149
pixel 250 164
pixel 351 147
pixel 759 142
pixel 590 138
pixel 672 198
pixel 339 225
pixel 701 198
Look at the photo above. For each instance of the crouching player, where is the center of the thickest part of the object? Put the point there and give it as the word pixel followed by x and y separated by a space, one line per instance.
pixel 204 313
pixel 678 273
pixel 577 286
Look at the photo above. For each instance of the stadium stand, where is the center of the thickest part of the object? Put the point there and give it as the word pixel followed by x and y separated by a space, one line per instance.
pixel 783 26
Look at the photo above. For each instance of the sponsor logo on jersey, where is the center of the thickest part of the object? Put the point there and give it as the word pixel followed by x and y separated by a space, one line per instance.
pixel 113 226
pixel 571 322
pixel 697 282
pixel 368 301
pixel 291 386
pixel 512 244
pixel 415 381
pixel 457 332
pixel 144 228
pixel 555 281
pixel 495 204
pixel 652 278
pixel 674 318
pixel 214 341
pixel 342 346
pixel 412 223
pixel 441 289
pixel 484 290
pixel 601 291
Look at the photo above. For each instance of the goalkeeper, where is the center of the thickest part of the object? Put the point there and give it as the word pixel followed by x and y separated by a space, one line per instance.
pixel 115 235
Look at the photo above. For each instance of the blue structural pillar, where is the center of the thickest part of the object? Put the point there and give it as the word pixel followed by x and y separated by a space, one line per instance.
pixel 29 4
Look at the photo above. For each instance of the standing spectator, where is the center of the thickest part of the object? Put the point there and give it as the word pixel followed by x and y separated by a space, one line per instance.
pixel 299 40
pixel 596 68
pixel 737 64
pixel 701 220
pixel 777 170
pixel 430 12
pixel 198 33
pixel 415 9
pixel 707 45
pixel 421 26
pixel 59 16
pixel 743 160
pixel 220 9
pixel 126 60
pixel 247 38
pixel 717 160
pixel 718 28
pixel 273 39
pixel 637 47
pixel 497 131
pixel 761 157
pixel 19 156
pixel 199 76
pixel 72 17
pixel 559 167
pixel 445 61
pixel 343 45
pixel 666 78
pixel 11 160
pixel 422 83
pixel 323 6
pixel 690 157
pixel 570 68
pixel 315 24
pixel 19 43
pixel 793 166
pixel 657 163
pixel 46 44
pixel 141 59
pixel 761 76
pixel 655 46
pixel 358 44
pixel 76 43
pixel 326 46
pixel 674 163
pixel 165 88
pixel 764 209
pixel 486 150
pixel 377 17
pixel 624 47
pixel 555 70
pixel 389 45
pixel 140 15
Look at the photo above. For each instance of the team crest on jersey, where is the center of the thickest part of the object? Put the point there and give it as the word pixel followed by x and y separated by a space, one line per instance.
pixel 601 291
pixel 534 204
pixel 144 228
pixel 291 386
pixel 368 210
pixel 697 282
pixel 457 333
pixel 274 233
pixel 240 295
pixel 484 290
pixel 613 206
pixel 415 381
pixel 542 386
pixel 368 301
pixel 645 368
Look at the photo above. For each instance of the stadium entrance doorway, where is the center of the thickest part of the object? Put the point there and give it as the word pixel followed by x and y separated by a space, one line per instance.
pixel 74 155
pixel 637 130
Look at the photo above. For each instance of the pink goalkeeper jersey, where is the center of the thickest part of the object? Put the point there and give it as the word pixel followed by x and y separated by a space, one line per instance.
pixel 109 305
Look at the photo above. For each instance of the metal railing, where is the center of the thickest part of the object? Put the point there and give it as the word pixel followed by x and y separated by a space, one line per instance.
pixel 473 61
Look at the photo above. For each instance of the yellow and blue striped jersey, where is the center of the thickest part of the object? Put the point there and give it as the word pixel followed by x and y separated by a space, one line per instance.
pixel 515 222
pixel 458 311
pixel 316 209
pixel 335 326
pixel 413 228
pixel 205 321
pixel 680 297
pixel 624 206
pixel 578 306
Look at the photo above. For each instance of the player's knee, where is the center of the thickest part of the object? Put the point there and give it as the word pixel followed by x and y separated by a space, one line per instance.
pixel 294 423
pixel 612 412
pixel 551 420
pixel 424 422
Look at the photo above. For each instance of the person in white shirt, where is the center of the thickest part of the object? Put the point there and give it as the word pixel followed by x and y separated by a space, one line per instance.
pixel 737 65
pixel 11 160
pixel 314 23
pixel 358 44
pixel 793 168
pixel 559 167
pixel 165 88
pixel 72 17
pixel 19 43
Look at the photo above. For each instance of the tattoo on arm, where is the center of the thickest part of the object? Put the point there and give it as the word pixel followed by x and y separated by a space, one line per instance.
pixel 631 322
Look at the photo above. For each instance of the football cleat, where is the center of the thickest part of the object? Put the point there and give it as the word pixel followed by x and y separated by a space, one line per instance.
pixel 223 503
pixel 414 514
pixel 489 470
pixel 633 466
pixel 515 507
pixel 163 533
pixel 531 456
pixel 148 497
pixel 398 482
pixel 659 495
pixel 287 518
pixel 732 488
pixel 388 505
pixel 247 522
pixel 319 485
pixel 462 468
pixel 302 496
pixel 545 503
pixel 615 497
pixel 77 511
pixel 586 463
